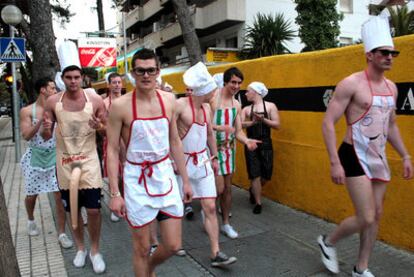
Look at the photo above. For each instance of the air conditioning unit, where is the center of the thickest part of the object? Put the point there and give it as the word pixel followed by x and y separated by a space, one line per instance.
pixel 155 27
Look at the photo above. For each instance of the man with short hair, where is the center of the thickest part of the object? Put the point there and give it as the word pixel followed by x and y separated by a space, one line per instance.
pixel 194 128
pixel 78 115
pixel 146 121
pixel 39 161
pixel 259 119
pixel 368 101
pixel 227 126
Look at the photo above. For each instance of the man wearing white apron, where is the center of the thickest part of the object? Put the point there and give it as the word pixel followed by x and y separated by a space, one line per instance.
pixel 194 128
pixel 146 121
pixel 368 100
pixel 79 115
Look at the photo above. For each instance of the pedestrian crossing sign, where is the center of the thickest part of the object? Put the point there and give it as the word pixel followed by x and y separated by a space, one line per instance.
pixel 12 50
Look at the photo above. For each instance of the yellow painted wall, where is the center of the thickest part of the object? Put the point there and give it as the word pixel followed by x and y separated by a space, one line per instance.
pixel 301 169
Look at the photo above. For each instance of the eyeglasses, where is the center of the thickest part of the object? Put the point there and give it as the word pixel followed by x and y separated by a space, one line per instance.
pixel 386 53
pixel 140 71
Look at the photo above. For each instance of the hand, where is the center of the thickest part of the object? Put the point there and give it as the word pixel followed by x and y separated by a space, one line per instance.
pixel 117 205
pixel 338 174
pixel 95 123
pixel 258 117
pixel 408 169
pixel 251 144
pixel 228 129
pixel 188 192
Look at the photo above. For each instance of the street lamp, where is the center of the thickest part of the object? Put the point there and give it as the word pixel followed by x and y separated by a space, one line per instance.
pixel 13 16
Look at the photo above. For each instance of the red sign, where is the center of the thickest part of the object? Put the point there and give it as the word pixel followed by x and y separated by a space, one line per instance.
pixel 97 52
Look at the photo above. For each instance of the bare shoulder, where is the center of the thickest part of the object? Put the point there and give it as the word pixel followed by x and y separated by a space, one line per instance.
pixel 270 105
pixel 26 111
pixel 349 85
pixel 247 108
pixel 392 86
pixel 53 99
pixel 122 101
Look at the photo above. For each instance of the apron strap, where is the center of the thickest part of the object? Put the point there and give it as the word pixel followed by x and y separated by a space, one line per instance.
pixel 33 112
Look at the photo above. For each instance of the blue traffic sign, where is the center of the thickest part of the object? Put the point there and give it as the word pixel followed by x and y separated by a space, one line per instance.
pixel 12 50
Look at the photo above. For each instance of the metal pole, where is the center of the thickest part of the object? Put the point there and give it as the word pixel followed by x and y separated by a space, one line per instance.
pixel 16 108
pixel 125 44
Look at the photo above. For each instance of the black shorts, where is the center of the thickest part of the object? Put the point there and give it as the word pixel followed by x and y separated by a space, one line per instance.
pixel 349 160
pixel 259 162
pixel 88 198
pixel 162 216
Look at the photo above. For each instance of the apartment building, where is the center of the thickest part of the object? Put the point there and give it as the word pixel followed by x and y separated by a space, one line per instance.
pixel 218 23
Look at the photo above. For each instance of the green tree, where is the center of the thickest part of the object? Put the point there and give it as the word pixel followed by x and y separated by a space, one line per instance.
pixel 267 36
pixel 318 22
pixel 402 20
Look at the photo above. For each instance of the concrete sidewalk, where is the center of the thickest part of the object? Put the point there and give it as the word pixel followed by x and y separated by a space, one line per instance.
pixel 279 242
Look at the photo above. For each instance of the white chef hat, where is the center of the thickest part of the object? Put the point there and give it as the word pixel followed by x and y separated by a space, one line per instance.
pixel 159 80
pixel 376 33
pixel 218 78
pixel 259 88
pixel 199 79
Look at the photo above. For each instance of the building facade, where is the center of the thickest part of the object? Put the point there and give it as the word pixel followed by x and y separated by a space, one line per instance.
pixel 219 23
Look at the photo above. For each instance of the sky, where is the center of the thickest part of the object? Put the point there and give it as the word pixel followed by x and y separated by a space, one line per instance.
pixel 85 19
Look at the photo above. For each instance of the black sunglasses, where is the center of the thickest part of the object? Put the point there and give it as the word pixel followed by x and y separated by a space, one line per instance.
pixel 386 53
pixel 140 71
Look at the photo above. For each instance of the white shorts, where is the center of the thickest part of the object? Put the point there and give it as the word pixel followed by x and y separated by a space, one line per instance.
pixel 141 208
pixel 202 188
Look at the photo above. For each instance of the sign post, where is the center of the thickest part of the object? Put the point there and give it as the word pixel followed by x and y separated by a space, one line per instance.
pixel 13 50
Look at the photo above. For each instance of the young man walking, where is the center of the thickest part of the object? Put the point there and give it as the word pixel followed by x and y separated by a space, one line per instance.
pixel 39 161
pixel 368 100
pixel 196 133
pixel 146 121
pixel 78 115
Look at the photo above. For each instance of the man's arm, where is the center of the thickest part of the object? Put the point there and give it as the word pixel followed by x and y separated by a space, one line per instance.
pixel 113 133
pixel 273 121
pixel 240 135
pixel 394 138
pixel 98 119
pixel 244 115
pixel 336 108
pixel 28 130
pixel 176 149
pixel 48 122
pixel 211 141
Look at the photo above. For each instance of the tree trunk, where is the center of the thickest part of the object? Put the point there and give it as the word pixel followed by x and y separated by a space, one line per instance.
pixel 191 41
pixel 8 260
pixel 101 21
pixel 42 40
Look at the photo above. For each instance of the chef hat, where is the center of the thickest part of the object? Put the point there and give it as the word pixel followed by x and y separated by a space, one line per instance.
pixel 259 88
pixel 376 33
pixel 159 80
pixel 68 54
pixel 218 78
pixel 199 80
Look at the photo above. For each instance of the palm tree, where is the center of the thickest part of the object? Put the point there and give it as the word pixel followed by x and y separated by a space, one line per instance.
pixel 267 36
pixel 402 20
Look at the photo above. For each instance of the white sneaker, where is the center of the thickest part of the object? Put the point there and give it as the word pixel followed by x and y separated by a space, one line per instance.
pixel 328 255
pixel 98 263
pixel 32 229
pixel 229 231
pixel 80 258
pixel 181 252
pixel 114 218
pixel 84 215
pixel 365 273
pixel 65 241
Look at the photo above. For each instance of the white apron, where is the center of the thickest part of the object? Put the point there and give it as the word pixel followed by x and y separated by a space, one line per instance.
pixel 197 160
pixel 150 185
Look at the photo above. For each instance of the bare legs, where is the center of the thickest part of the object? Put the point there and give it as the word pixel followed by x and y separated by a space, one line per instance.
pixel 144 265
pixel 224 190
pixel 94 230
pixel 30 202
pixel 211 224
pixel 367 198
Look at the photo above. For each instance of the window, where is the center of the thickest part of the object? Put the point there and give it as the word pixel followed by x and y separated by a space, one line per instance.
pixel 344 41
pixel 231 42
pixel 346 6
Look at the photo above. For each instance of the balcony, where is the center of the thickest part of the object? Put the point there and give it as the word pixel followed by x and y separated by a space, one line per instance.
pixel 220 12
pixel 152 41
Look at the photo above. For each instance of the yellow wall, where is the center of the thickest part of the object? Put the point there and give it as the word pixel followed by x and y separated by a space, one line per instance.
pixel 301 170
